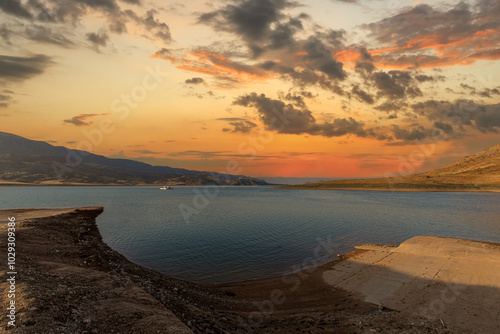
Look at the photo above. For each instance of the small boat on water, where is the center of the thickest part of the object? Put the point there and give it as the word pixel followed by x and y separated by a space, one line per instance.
pixel 166 188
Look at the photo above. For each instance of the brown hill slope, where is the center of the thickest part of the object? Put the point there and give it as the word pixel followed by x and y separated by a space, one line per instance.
pixel 477 172
pixel 483 166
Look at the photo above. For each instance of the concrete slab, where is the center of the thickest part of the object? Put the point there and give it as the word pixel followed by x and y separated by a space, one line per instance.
pixel 455 280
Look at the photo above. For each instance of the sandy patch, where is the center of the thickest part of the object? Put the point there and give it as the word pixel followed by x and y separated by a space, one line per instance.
pixel 25 214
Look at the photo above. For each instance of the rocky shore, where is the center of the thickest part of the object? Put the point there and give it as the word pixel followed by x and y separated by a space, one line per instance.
pixel 69 281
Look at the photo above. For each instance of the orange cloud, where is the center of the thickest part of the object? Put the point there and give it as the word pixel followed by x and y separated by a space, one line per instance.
pixel 214 64
pixel 464 50
pixel 348 56
pixel 432 50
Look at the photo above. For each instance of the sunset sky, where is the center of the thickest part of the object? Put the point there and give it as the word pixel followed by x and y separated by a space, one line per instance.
pixel 319 88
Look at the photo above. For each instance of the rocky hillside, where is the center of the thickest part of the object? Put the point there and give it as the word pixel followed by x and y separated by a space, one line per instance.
pixel 483 166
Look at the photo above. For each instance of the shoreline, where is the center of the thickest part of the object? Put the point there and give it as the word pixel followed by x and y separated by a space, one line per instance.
pixel 271 186
pixel 385 189
pixel 129 185
pixel 67 272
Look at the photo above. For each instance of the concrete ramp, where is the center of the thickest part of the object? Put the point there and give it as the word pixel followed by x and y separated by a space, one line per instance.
pixel 443 247
pixel 455 280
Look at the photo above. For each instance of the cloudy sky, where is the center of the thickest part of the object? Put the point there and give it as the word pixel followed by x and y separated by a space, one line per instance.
pixel 328 88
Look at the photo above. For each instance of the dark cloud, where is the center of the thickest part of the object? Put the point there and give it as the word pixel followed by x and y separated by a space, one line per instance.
pixel 207 94
pixel 362 95
pixel 283 34
pixel 194 81
pixel 243 126
pixel 22 68
pixel 108 4
pixel 364 67
pixel 231 119
pixel 70 13
pixel 487 118
pixel 202 154
pixel 297 100
pixel 418 133
pixel 5 33
pixel 340 127
pixel 424 78
pixel 277 115
pixel 396 84
pixel 41 12
pixel 47 35
pixel 250 19
pixel 98 39
pixel 410 23
pixel 388 86
pixel 447 128
pixel 285 118
pixel 81 120
pixel 320 57
pixel 306 94
pixel 5 100
pixel 333 69
pixel 392 106
pixel 38 33
pixel 147 152
pixel 448 120
pixel 305 77
pixel 268 65
pixel 426 36
pixel 160 30
pixel 461 113
pixel 487 92
pixel 467 87
pixel 15 8
pixel 266 29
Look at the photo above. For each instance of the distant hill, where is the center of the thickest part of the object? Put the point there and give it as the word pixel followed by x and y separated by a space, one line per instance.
pixel 477 172
pixel 28 161
pixel 482 167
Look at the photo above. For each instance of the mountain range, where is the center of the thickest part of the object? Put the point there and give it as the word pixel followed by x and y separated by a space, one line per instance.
pixel 25 161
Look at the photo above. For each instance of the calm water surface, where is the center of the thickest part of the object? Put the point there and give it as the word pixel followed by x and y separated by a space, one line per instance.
pixel 223 234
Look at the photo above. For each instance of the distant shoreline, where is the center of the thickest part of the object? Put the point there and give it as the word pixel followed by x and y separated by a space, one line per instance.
pixel 354 188
pixel 311 186
pixel 411 183
pixel 125 185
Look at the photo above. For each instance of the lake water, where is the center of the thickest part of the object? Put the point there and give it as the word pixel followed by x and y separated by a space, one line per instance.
pixel 224 234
